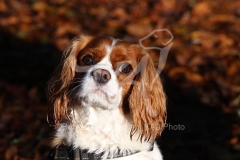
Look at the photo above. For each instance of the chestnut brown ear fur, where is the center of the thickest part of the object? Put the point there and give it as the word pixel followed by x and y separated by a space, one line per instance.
pixel 147 100
pixel 58 85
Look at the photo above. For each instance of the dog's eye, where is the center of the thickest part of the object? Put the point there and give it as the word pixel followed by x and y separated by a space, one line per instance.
pixel 126 68
pixel 87 60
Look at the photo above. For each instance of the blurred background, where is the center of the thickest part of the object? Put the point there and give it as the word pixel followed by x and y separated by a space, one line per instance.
pixel 201 76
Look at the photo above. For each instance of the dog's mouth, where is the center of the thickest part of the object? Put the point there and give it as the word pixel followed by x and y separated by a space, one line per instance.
pixel 101 98
pixel 100 93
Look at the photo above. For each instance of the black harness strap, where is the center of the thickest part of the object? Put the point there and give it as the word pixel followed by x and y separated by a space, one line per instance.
pixel 68 153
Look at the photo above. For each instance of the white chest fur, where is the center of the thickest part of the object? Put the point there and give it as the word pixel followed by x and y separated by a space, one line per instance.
pixel 99 130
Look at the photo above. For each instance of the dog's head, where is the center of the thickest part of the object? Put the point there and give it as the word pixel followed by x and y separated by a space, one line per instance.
pixel 110 74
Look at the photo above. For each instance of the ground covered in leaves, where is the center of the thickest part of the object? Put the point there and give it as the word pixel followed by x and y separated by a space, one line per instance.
pixel 201 75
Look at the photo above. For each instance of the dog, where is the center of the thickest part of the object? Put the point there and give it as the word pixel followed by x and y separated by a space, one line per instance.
pixel 105 100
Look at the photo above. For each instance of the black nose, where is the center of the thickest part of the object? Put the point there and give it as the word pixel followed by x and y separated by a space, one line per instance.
pixel 101 76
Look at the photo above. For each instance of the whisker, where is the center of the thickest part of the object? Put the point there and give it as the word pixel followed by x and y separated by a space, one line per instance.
pixel 78 80
pixel 73 90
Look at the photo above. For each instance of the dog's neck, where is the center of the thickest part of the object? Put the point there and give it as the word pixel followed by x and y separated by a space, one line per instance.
pixel 99 130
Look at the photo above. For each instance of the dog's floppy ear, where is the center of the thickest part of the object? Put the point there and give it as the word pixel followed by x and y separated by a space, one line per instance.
pixel 147 100
pixel 58 85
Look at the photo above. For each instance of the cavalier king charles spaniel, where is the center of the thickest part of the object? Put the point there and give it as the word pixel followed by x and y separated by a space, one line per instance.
pixel 106 100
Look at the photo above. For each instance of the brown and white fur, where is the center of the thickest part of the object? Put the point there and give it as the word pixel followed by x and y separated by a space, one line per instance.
pixel 104 97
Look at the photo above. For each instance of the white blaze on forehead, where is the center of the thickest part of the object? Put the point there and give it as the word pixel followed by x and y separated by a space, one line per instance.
pixel 106 59
pixel 110 48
